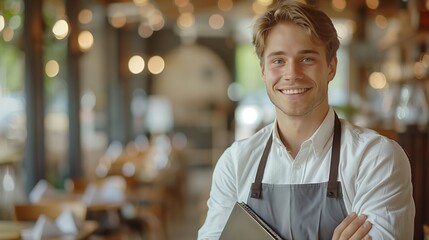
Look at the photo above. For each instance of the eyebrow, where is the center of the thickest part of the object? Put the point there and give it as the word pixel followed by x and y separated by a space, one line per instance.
pixel 306 51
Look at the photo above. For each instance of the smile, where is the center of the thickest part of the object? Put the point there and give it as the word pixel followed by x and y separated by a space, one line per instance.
pixel 295 91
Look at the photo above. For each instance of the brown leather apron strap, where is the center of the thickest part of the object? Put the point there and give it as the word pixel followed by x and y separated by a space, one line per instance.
pixel 335 159
pixel 256 188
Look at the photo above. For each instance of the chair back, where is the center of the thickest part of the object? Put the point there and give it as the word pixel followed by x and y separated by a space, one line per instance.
pixel 32 211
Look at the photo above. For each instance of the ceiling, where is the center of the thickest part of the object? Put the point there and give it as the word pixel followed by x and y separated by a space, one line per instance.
pixel 242 9
pixel 170 9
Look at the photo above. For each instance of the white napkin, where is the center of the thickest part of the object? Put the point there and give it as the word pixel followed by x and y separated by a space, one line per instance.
pixel 44 227
pixel 68 223
pixel 111 191
pixel 90 195
pixel 43 189
pixel 65 223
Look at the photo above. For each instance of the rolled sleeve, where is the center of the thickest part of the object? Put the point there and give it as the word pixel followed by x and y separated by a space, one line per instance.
pixel 384 191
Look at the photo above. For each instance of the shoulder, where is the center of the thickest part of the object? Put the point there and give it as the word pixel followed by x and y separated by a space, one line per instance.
pixel 258 139
pixel 370 146
pixel 243 153
pixel 358 135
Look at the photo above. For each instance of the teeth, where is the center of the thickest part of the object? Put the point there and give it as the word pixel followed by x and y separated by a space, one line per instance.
pixel 294 91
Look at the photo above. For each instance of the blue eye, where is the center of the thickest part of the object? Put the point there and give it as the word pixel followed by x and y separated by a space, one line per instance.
pixel 277 61
pixel 307 59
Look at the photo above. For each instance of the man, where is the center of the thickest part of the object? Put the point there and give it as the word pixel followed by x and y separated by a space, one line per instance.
pixel 321 177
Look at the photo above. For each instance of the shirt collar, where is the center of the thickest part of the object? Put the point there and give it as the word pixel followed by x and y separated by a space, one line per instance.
pixel 320 137
pixel 324 133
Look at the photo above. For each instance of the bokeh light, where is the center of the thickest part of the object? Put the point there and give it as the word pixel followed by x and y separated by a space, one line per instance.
pixel 136 64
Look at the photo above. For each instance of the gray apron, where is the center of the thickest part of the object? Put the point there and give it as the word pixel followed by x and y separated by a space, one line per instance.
pixel 301 211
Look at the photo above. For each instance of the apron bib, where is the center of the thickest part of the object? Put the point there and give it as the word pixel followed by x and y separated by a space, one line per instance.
pixel 301 211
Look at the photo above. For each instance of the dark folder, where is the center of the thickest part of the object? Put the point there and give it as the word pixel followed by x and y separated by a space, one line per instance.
pixel 244 223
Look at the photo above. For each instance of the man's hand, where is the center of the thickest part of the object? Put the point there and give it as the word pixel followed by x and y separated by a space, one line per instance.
pixel 353 227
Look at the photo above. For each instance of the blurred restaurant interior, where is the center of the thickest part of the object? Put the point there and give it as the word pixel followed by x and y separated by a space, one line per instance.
pixel 126 105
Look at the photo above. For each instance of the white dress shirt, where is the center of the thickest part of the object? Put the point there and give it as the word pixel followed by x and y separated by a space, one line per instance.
pixel 374 173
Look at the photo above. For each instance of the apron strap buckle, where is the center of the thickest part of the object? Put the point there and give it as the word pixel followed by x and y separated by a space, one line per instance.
pixel 256 190
pixel 333 190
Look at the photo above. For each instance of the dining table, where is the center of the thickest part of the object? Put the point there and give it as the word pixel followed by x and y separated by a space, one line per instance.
pixel 11 230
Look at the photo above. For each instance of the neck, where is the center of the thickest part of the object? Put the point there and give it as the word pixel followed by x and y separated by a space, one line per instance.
pixel 294 130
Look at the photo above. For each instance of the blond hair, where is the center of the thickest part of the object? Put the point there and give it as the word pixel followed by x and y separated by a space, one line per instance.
pixel 314 21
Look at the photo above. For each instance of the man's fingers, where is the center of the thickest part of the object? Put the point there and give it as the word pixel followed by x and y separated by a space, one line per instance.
pixel 343 225
pixel 352 230
pixel 367 237
pixel 362 231
pixel 352 227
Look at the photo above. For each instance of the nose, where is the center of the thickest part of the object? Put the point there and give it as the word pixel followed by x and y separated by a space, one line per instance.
pixel 292 71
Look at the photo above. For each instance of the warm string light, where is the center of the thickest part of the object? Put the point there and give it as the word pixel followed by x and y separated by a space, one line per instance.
pixel 155 64
pixel 185 20
pixel 181 3
pixel 52 68
pixel 144 30
pixel 216 21
pixel 188 8
pixel 395 72
pixel 141 12
pixel 2 23
pixel 421 67
pixel 186 17
pixel 377 80
pixel 85 40
pixel 225 5
pixel 259 6
pixel 156 20
pixel 118 20
pixel 85 16
pixel 140 2
pixel 339 5
pixel 13 23
pixel 152 19
pixel 372 4
pixel 381 21
pixel 8 34
pixel 136 64
pixel 60 29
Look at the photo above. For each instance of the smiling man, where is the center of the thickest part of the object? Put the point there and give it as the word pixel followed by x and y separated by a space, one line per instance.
pixel 309 174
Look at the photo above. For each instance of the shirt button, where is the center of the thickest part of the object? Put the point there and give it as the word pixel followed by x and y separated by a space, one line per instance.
pixel 296 166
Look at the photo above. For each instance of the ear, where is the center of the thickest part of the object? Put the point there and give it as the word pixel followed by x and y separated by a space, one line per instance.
pixel 261 65
pixel 332 68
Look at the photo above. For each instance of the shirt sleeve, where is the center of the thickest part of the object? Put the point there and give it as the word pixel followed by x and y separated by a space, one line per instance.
pixel 223 195
pixel 384 191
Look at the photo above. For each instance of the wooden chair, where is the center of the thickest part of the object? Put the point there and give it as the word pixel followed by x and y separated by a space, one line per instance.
pixel 32 211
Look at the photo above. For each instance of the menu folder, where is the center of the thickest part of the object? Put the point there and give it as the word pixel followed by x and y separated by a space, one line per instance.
pixel 244 223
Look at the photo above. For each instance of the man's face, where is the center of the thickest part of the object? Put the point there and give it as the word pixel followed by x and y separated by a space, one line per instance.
pixel 295 71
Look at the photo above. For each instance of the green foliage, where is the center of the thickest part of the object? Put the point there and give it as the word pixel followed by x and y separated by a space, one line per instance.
pixel 11 68
pixel 248 69
pixel 11 56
